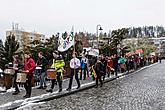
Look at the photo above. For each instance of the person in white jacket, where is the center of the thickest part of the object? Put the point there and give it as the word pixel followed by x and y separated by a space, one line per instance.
pixel 74 65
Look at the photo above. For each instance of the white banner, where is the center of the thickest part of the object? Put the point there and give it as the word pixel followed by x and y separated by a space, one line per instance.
pixel 65 41
pixel 91 51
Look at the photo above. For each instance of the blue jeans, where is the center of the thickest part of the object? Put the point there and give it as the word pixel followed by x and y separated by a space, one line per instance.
pixel 41 76
pixel 42 79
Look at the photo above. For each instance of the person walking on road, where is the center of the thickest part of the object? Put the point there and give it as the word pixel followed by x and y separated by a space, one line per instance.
pixel 58 64
pixel 160 59
pixel 115 64
pixel 84 63
pixel 74 65
pixel 109 67
pixel 16 66
pixel 29 67
pixel 98 69
pixel 42 62
pixel 104 62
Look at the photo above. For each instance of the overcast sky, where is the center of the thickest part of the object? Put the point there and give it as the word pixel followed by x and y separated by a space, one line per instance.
pixel 52 16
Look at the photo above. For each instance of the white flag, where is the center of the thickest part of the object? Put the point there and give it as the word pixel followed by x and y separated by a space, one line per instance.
pixel 65 41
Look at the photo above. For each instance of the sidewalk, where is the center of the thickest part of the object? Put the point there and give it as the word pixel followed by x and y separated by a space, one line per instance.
pixel 9 101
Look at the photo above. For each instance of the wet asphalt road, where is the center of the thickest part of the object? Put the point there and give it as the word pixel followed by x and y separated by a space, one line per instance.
pixel 144 90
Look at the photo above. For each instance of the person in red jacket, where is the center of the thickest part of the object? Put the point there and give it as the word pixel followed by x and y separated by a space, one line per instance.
pixel 29 67
pixel 109 66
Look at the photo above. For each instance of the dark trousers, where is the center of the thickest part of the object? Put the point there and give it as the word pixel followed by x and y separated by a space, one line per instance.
pixel 99 78
pixel 28 84
pixel 59 80
pixel 104 74
pixel 109 71
pixel 128 68
pixel 122 70
pixel 116 69
pixel 74 71
pixel 15 83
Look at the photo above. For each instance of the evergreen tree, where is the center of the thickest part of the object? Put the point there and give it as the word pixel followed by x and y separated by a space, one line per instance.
pixel 2 55
pixel 10 47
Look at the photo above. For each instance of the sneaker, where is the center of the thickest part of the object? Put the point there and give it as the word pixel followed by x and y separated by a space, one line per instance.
pixel 50 90
pixel 60 90
pixel 40 87
pixel 68 89
pixel 15 93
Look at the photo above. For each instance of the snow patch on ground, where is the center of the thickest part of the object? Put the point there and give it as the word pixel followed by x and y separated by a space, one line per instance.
pixel 11 90
pixel 2 89
pixel 10 103
pixel 6 105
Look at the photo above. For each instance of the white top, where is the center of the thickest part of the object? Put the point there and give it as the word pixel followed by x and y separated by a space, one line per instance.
pixel 1 70
pixel 74 63
pixel 38 68
pixel 85 60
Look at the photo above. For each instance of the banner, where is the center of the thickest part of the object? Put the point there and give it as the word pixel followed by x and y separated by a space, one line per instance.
pixel 91 51
pixel 65 41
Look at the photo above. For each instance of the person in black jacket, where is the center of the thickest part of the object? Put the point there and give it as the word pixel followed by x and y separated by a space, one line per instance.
pixel 104 62
pixel 115 63
pixel 42 62
pixel 98 69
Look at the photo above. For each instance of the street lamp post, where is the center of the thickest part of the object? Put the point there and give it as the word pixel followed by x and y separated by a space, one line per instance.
pixel 98 27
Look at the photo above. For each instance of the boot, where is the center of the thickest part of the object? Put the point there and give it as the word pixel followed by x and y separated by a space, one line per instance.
pixel 15 93
pixel 69 89
pixel 60 90
pixel 26 96
pixel 40 87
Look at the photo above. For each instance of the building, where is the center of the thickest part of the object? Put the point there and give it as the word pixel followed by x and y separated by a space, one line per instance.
pixel 25 38
pixel 83 38
pixel 159 43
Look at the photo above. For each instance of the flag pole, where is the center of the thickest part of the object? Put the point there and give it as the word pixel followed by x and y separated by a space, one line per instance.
pixel 74 38
pixel 74 48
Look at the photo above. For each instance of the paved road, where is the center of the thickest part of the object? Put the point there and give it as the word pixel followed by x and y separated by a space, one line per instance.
pixel 144 90
pixel 36 92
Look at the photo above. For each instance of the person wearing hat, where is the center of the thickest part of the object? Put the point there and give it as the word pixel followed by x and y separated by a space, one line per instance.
pixel 58 64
